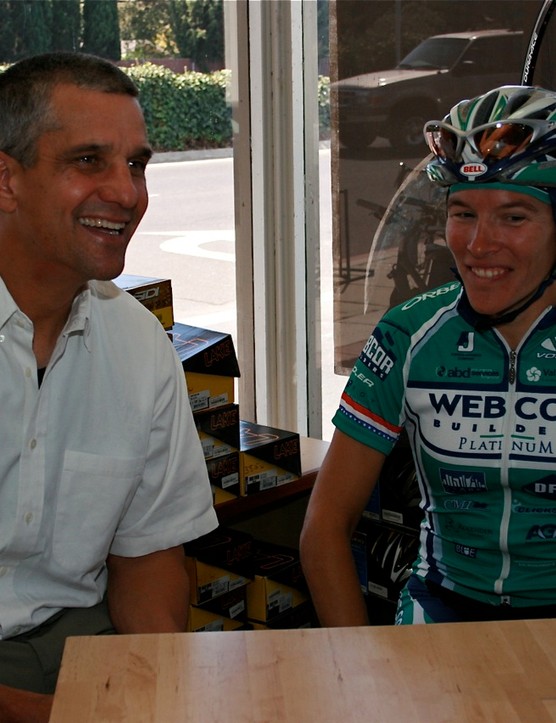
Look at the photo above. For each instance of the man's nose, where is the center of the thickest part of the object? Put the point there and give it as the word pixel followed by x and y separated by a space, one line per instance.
pixel 120 186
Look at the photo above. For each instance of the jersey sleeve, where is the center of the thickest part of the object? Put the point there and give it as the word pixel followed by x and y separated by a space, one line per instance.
pixel 371 406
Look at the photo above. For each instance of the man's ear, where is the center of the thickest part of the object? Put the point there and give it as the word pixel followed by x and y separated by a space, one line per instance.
pixel 8 168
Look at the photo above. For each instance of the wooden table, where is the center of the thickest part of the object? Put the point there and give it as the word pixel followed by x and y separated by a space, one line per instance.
pixel 426 673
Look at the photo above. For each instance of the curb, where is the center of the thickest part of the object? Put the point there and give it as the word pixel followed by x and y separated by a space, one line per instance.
pixel 200 155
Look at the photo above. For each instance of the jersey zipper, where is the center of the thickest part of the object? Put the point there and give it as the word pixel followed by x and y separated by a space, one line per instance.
pixel 507 494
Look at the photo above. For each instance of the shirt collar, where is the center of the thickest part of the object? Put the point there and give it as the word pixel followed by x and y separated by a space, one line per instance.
pixel 8 307
pixel 79 320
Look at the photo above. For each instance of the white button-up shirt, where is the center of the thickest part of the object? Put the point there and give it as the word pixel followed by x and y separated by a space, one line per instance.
pixel 103 458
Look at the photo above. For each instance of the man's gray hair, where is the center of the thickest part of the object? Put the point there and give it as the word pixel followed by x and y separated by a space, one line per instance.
pixel 26 90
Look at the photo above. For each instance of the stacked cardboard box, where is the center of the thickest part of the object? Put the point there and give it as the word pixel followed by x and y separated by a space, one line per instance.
pixel 219 566
pixel 210 365
pixel 278 597
pixel 242 457
pixel 238 582
pixel 235 583
pixel 155 294
pixel 269 457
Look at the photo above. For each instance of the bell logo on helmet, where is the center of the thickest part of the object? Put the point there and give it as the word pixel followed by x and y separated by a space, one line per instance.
pixel 472 170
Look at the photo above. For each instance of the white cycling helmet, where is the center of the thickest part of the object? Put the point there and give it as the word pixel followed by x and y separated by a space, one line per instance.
pixel 507 135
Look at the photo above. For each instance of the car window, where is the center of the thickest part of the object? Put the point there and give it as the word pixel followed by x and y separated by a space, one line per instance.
pixel 502 54
pixel 434 53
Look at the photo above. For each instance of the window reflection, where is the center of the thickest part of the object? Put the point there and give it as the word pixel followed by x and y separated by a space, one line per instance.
pixel 394 65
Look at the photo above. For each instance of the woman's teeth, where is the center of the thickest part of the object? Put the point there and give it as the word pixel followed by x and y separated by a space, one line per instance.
pixel 487 273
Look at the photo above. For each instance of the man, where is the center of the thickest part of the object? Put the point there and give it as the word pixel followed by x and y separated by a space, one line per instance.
pixel 102 476
pixel 468 370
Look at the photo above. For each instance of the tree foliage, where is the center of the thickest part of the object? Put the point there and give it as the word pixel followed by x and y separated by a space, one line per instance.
pixel 66 25
pixel 28 27
pixel 191 29
pixel 101 29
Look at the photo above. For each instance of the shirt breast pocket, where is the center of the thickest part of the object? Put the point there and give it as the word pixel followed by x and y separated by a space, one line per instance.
pixel 94 494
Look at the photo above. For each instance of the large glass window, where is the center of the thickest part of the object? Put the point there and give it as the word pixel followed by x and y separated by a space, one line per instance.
pixel 397 64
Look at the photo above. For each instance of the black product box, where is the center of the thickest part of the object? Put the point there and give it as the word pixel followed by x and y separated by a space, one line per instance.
pixel 302 616
pixel 278 583
pixel 373 510
pixel 399 495
pixel 201 620
pixel 232 605
pixel 223 474
pixel 210 365
pixel 383 557
pixel 154 294
pixel 226 548
pixel 218 430
pixel 269 457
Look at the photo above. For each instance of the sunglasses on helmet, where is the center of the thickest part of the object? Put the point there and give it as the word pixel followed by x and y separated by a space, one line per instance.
pixel 490 142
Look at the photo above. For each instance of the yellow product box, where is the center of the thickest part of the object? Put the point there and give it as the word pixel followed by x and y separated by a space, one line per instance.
pixel 269 457
pixel 209 581
pixel 201 621
pixel 155 294
pixel 267 598
pixel 210 365
pixel 219 495
pixel 218 563
pixel 278 583
pixel 207 391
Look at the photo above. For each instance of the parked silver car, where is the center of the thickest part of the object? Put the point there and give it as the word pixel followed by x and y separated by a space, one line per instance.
pixel 440 71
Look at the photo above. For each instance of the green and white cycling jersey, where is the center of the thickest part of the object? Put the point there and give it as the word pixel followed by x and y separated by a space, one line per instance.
pixel 481 419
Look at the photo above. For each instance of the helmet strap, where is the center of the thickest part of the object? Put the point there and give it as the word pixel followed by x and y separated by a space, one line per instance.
pixel 482 322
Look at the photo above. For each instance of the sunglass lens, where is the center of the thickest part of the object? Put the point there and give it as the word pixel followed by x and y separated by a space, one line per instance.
pixel 442 142
pixel 502 140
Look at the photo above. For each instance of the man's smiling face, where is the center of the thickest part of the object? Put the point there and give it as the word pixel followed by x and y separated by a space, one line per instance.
pixel 78 206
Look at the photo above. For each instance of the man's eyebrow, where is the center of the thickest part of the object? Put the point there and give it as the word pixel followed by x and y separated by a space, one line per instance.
pixel 145 152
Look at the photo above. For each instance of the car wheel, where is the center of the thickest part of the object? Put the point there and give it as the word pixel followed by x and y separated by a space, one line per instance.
pixel 406 129
pixel 357 135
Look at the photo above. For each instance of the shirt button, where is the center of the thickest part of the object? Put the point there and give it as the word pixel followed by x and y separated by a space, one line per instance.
pixel 28 518
pixel 2 338
pixel 28 372
pixel 33 443
pixel 3 571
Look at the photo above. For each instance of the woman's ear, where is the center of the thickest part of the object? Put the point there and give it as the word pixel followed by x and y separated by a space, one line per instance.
pixel 8 167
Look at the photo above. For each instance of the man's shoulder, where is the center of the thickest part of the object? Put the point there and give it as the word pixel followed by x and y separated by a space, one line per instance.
pixel 120 310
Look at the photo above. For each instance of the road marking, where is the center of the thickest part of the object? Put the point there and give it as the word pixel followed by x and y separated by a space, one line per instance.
pixel 193 243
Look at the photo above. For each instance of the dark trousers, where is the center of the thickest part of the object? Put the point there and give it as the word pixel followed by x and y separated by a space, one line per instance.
pixel 31 661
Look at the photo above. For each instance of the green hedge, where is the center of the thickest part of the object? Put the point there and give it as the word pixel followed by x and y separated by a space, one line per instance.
pixel 183 110
pixel 188 110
